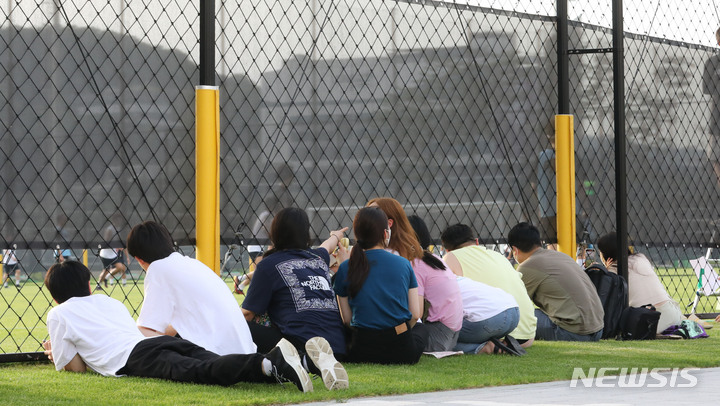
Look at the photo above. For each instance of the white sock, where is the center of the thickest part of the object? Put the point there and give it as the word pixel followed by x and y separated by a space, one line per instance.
pixel 305 362
pixel 266 367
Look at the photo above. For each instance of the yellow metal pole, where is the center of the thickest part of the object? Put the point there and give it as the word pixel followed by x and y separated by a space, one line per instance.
pixel 207 175
pixel 85 257
pixel 565 164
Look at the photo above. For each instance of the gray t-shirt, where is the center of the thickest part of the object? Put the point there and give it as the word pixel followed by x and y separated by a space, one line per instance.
pixel 711 87
pixel 561 289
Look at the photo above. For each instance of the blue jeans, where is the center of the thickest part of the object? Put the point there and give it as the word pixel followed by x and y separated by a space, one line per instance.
pixel 547 330
pixel 474 334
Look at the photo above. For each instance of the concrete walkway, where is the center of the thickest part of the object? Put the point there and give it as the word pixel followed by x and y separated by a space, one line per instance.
pixel 658 389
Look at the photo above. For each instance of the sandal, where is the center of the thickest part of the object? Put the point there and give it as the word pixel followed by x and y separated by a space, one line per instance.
pixel 509 345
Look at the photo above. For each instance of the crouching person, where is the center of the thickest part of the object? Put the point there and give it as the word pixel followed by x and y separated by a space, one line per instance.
pixel 97 331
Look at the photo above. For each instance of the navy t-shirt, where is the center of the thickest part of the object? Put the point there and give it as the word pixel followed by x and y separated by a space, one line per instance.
pixel 382 302
pixel 293 287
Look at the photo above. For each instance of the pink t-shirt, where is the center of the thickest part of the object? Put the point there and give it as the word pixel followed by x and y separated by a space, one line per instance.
pixel 441 289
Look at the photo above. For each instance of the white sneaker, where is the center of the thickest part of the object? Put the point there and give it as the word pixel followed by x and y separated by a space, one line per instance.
pixel 332 372
pixel 286 366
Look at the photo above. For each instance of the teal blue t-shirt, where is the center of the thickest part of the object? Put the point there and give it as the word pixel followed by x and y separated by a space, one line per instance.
pixel 382 302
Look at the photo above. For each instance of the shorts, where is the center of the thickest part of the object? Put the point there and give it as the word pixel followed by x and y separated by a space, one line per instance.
pixel 109 262
pixel 440 337
pixel 10 268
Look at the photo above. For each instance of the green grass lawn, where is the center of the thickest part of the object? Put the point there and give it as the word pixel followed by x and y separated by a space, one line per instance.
pixel 23 384
pixel 23 312
pixel 22 328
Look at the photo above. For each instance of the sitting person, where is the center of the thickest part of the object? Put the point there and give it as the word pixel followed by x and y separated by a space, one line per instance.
pixel 442 329
pixel 377 294
pixel 643 283
pixel 484 312
pixel 488 313
pixel 569 308
pixel 403 240
pixel 466 257
pixel 292 286
pixel 437 286
pixel 183 296
pixel 97 331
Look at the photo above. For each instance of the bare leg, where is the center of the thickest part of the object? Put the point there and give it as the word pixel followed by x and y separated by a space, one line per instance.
pixel 488 348
pixel 105 272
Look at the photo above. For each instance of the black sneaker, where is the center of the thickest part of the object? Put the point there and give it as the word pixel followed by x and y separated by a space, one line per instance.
pixel 332 372
pixel 286 366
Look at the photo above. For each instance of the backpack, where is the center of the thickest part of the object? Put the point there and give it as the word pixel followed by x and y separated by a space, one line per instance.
pixel 639 323
pixel 613 292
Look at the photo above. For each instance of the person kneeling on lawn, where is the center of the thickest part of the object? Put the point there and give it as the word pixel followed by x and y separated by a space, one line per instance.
pixel 97 331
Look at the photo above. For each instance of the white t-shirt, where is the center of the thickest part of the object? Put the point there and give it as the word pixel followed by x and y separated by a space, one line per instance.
pixel 481 301
pixel 98 328
pixel 9 257
pixel 183 292
pixel 109 233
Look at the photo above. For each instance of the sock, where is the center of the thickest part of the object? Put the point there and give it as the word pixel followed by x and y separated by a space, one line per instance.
pixel 305 363
pixel 266 367
pixel 310 366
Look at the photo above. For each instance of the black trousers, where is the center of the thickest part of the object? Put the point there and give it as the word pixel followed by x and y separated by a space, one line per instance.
pixel 180 360
pixel 267 337
pixel 386 346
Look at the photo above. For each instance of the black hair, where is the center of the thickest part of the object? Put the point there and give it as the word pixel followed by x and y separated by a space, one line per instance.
pixel 369 227
pixel 423 235
pixel 290 229
pixel 607 245
pixel 524 236
pixel 456 235
pixel 150 241
pixel 68 279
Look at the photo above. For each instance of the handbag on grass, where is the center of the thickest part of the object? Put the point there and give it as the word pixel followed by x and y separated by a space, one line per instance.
pixel 639 323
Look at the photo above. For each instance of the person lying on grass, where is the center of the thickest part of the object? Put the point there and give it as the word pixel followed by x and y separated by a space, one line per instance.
pixel 97 331
pixel 182 296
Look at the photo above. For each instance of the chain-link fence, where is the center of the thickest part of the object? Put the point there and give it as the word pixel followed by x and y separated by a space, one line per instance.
pixel 445 106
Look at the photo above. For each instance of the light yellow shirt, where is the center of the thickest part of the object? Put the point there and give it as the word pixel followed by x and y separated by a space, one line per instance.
pixel 492 268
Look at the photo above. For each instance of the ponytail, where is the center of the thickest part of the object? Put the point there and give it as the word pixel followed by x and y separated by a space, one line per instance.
pixel 369 226
pixel 358 270
pixel 433 261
